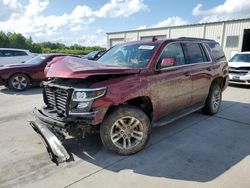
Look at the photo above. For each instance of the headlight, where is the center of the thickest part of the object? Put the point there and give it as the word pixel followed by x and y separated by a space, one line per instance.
pixel 88 94
pixel 80 95
pixel 80 107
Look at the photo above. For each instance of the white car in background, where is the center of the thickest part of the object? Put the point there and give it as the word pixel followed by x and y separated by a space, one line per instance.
pixel 239 68
pixel 14 56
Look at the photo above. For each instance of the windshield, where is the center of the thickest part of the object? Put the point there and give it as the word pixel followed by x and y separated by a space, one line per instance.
pixel 93 54
pixel 129 55
pixel 241 58
pixel 36 60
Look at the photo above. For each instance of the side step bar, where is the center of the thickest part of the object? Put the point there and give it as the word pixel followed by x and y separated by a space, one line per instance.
pixel 54 146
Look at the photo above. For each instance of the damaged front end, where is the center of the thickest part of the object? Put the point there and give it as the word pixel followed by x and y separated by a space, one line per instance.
pixel 71 106
pixel 67 111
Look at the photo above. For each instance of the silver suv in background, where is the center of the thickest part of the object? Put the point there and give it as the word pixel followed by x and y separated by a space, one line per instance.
pixel 14 56
pixel 239 68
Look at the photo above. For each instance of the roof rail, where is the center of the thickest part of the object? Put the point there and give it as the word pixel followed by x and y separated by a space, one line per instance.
pixel 193 38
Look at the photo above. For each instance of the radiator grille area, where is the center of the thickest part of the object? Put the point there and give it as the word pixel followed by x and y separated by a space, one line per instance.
pixel 57 99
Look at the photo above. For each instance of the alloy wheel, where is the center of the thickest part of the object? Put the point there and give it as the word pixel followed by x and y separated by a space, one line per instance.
pixel 127 132
pixel 216 99
pixel 19 82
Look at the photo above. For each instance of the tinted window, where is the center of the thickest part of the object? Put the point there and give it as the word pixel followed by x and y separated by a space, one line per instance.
pixel 194 53
pixel 8 53
pixel 19 53
pixel 217 51
pixel 173 51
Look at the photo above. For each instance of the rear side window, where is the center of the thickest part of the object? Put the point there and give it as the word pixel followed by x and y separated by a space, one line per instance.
pixel 10 53
pixel 195 53
pixel 217 51
pixel 7 53
pixel 19 53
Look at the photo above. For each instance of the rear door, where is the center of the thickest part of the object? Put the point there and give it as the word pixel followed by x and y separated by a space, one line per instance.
pixel 201 74
pixel 21 56
pixel 173 83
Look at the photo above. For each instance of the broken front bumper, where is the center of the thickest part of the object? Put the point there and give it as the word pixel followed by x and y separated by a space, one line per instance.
pixel 54 146
pixel 51 129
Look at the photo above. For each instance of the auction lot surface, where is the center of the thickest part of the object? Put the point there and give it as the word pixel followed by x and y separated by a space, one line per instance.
pixel 196 151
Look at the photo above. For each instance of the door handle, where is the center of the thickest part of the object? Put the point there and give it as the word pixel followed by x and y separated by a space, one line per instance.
pixel 209 68
pixel 187 74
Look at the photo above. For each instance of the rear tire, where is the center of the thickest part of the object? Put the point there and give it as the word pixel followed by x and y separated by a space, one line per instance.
pixel 213 101
pixel 19 82
pixel 126 130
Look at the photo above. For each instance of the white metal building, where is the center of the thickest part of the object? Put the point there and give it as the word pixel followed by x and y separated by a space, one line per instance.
pixel 233 35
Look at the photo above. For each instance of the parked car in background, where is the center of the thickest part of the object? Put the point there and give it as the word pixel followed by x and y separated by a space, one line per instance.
pixel 94 55
pixel 14 56
pixel 20 76
pixel 130 89
pixel 239 68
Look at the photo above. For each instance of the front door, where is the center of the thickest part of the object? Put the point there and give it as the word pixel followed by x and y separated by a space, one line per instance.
pixel 173 83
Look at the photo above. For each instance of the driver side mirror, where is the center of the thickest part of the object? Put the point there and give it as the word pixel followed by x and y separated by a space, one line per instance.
pixel 168 62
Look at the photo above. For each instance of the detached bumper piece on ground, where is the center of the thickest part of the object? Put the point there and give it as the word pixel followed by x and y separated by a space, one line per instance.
pixel 54 146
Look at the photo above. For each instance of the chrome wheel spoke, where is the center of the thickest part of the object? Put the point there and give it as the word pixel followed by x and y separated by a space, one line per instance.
pixel 216 100
pixel 124 143
pixel 15 81
pixel 15 84
pixel 135 124
pixel 24 82
pixel 137 135
pixel 118 125
pixel 131 122
pixel 116 137
pixel 129 142
pixel 19 86
pixel 19 78
pixel 121 123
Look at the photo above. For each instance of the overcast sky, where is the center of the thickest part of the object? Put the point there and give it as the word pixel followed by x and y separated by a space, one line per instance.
pixel 86 22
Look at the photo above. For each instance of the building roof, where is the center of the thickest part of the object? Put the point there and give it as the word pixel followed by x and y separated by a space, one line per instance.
pixel 187 25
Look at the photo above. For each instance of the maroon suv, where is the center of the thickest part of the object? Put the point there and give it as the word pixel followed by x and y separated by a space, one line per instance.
pixel 133 87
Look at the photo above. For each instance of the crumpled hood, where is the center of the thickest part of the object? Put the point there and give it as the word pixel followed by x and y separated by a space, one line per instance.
pixel 72 67
pixel 238 64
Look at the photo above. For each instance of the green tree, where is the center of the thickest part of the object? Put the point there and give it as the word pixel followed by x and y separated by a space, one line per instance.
pixel 17 41
pixel 4 40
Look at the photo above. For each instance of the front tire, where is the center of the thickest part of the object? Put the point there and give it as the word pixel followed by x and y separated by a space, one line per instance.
pixel 126 130
pixel 213 101
pixel 19 82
